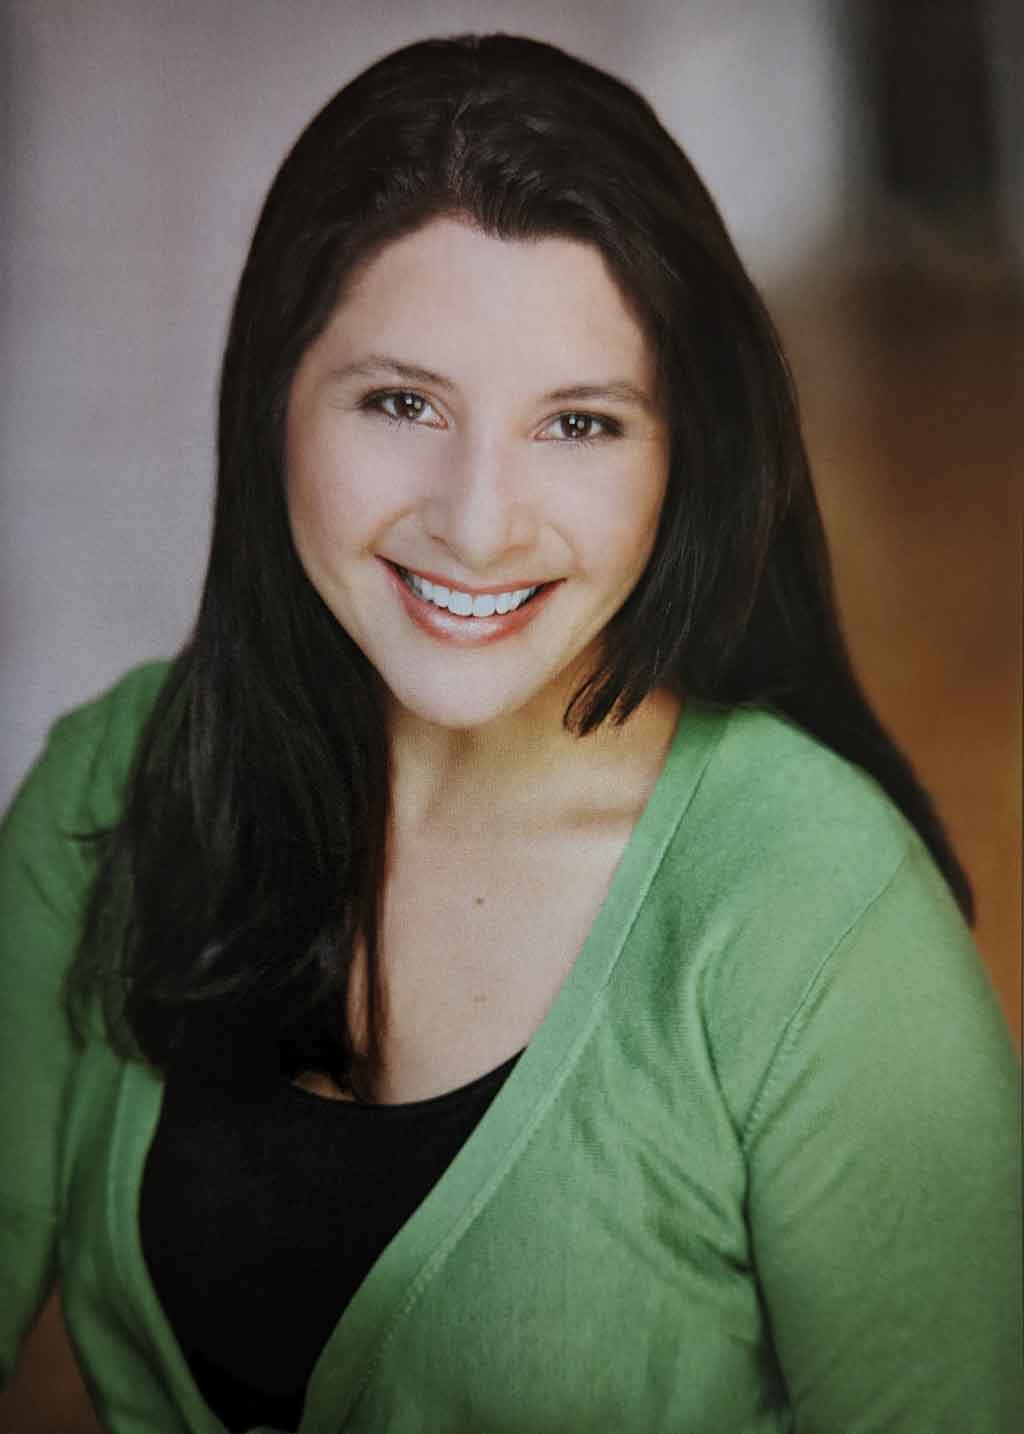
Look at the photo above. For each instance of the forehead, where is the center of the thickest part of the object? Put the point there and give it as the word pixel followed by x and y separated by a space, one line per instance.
pixel 450 297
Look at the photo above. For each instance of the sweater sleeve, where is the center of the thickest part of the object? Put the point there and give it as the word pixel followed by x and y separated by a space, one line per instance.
pixel 884 1158
pixel 46 871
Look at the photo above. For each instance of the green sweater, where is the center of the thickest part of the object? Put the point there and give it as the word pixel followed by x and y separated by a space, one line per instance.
pixel 756 1171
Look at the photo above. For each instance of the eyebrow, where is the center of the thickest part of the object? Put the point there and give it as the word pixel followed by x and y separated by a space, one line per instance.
pixel 618 391
pixel 375 365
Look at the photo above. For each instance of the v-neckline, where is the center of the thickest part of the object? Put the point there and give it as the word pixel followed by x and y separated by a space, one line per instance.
pixel 406 1266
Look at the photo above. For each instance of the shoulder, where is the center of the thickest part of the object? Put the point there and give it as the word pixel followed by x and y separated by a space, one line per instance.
pixel 778 815
pixel 76 787
pixel 94 743
pixel 794 891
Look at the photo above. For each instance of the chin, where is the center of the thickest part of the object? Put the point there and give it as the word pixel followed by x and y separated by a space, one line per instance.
pixel 460 709
pixel 457 717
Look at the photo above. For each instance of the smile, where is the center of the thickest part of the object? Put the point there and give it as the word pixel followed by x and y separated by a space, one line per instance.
pixel 463 604
pixel 452 615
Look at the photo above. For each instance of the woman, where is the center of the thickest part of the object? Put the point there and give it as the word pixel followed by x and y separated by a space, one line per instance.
pixel 512 990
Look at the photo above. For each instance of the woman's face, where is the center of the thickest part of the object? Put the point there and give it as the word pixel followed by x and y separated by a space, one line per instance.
pixel 476 462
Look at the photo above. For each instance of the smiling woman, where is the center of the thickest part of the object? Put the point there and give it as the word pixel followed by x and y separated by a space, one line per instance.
pixel 527 522
pixel 512 981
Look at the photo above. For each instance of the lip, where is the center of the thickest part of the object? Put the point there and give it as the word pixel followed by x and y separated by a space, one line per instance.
pixel 465 631
pixel 439 580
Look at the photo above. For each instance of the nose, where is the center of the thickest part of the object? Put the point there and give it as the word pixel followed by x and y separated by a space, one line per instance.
pixel 479 506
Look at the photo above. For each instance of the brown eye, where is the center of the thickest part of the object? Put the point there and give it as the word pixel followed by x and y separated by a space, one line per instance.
pixel 404 405
pixel 580 427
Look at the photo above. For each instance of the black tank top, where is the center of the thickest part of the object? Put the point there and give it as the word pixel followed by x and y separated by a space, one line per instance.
pixel 261 1214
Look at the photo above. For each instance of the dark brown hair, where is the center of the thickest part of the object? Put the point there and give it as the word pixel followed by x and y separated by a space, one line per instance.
pixel 249 861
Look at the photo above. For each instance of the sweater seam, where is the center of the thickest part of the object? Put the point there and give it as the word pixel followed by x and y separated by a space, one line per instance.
pixel 793 1026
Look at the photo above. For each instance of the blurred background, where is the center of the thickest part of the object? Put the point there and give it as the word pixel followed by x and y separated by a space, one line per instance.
pixel 868 156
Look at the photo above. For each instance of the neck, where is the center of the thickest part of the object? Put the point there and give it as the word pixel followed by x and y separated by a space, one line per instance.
pixel 526 756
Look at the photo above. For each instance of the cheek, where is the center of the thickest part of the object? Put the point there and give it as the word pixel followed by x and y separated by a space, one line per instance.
pixel 338 494
pixel 624 527
pixel 320 505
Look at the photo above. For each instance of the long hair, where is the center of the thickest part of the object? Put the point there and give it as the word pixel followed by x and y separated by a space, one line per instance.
pixel 246 870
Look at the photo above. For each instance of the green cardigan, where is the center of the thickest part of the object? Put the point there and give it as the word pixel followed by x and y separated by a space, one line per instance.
pixel 757 1170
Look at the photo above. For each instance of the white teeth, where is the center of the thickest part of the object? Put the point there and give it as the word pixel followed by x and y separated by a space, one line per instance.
pixel 464 604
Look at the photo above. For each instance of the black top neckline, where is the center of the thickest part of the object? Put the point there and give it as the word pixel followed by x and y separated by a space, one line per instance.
pixel 397 1109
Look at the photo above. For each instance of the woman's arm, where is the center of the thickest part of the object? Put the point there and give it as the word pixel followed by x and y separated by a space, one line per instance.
pixel 46 873
pixel 884 1155
pixel 38 931
pixel 47 1394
